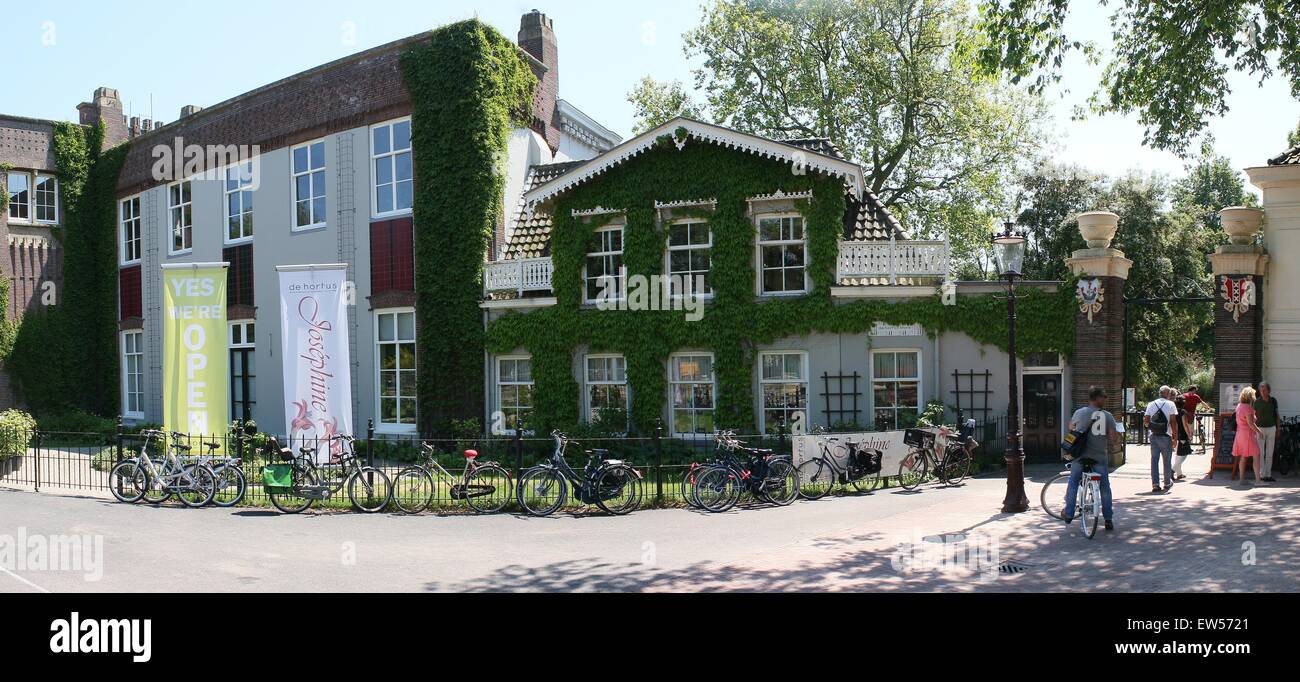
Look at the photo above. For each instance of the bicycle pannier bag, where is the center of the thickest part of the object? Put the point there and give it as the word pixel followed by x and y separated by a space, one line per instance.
pixel 278 475
pixel 870 461
pixel 1074 444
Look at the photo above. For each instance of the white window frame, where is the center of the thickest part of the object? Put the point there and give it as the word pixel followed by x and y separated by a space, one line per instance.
pixel 126 392
pixel 380 424
pixel 242 185
pixel 673 382
pixel 246 341
pixel 608 255
pixel 390 156
pixel 759 243
pixel 122 240
pixel 498 383
pixel 36 205
pixel 172 218
pixel 920 380
pixel 763 383
pixel 589 383
pixel 31 198
pixel 311 183
pixel 669 250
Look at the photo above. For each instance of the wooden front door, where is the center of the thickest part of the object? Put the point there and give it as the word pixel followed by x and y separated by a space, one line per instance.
pixel 1042 408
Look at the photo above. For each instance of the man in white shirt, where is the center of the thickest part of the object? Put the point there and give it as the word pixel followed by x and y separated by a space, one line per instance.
pixel 1161 421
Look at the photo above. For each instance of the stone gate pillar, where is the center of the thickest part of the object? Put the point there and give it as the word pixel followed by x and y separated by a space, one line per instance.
pixel 1239 268
pixel 1099 325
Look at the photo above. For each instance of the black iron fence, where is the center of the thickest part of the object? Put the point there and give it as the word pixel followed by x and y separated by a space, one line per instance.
pixel 83 461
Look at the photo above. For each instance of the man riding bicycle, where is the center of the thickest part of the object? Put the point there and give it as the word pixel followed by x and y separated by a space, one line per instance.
pixel 1102 433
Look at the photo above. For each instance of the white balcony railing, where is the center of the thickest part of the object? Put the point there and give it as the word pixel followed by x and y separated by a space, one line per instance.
pixel 521 276
pixel 892 260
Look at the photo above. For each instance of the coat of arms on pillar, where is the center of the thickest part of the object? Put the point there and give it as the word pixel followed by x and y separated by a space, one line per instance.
pixel 1091 295
pixel 1240 295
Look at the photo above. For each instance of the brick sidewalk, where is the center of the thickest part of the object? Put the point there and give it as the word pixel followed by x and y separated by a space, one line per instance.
pixel 1205 536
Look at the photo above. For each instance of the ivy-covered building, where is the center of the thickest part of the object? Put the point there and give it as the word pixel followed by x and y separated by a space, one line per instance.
pixel 388 160
pixel 813 301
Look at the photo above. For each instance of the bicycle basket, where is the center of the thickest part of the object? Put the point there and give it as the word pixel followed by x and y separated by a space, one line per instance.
pixel 278 475
pixel 918 438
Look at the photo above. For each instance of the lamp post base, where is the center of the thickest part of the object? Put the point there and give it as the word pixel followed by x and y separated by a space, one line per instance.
pixel 1016 501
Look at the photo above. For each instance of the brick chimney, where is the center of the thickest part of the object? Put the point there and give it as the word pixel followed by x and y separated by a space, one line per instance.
pixel 537 38
pixel 106 107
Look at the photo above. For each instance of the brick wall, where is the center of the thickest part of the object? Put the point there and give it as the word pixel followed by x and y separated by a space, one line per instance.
pixel 1099 348
pixel 1238 344
pixel 537 38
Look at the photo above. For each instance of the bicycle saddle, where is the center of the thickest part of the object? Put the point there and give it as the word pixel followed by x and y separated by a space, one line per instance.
pixel 183 448
pixel 213 447
pixel 598 453
pixel 471 454
pixel 282 452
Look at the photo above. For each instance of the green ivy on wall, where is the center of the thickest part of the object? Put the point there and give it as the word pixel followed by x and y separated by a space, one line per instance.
pixel 736 323
pixel 65 356
pixel 469 88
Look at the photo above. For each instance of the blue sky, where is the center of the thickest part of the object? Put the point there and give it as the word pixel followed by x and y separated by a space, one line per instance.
pixel 162 55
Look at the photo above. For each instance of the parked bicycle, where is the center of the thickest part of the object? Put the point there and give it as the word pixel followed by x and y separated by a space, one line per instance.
pixel 486 487
pixel 1286 455
pixel 1087 503
pixel 141 478
pixel 840 463
pixel 299 481
pixel 763 474
pixel 947 455
pixel 230 484
pixel 609 484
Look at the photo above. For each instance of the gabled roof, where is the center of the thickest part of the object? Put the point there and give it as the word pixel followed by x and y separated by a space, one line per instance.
pixel 866 218
pixel 698 130
pixel 1288 157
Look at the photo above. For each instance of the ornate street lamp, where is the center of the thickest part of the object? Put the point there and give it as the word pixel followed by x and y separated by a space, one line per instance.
pixel 1009 250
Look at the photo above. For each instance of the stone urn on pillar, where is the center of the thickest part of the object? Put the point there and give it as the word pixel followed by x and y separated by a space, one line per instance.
pixel 1098 228
pixel 1242 224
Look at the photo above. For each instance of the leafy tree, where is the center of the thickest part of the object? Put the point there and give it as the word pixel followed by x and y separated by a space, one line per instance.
pixel 893 83
pixel 659 102
pixel 1170 59
pixel 1051 198
pixel 1293 138
pixel 1211 185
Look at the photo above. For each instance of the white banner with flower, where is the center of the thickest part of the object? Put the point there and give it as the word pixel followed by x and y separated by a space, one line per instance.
pixel 317 367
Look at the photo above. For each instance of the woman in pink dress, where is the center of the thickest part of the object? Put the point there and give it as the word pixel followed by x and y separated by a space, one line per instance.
pixel 1246 445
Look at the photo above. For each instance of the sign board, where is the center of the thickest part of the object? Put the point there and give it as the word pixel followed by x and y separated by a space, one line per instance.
pixel 1130 399
pixel 317 371
pixel 885 330
pixel 1229 396
pixel 195 356
pixel 889 443
pixel 1223 451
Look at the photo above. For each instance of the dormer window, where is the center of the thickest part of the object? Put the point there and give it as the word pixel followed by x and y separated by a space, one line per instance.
pixel 782 255
pixel 603 272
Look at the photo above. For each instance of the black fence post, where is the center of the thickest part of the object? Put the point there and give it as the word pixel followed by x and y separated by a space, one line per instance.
pixel 36 472
pixel 121 433
pixel 519 450
pixel 659 461
pixel 370 442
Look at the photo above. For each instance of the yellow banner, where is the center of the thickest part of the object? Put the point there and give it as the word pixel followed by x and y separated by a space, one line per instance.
pixel 195 356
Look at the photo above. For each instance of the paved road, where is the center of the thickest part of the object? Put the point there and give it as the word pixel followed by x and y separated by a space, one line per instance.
pixel 1195 539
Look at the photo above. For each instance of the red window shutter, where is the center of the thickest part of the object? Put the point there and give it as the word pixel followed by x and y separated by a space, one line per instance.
pixel 129 292
pixel 392 256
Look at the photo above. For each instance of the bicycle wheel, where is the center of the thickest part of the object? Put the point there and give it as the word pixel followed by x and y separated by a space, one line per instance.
pixel 618 489
pixel 370 490
pixel 199 488
pixel 781 487
pixel 231 487
pixel 717 489
pixel 816 479
pixel 1090 508
pixel 156 490
pixel 489 489
pixel 867 483
pixel 541 491
pixel 412 490
pixel 687 487
pixel 128 482
pixel 291 500
pixel 1052 498
pixel 913 470
pixel 956 466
